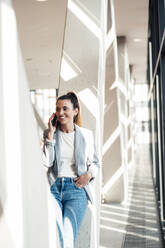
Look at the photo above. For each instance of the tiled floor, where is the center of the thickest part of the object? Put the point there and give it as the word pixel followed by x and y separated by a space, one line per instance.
pixel 135 224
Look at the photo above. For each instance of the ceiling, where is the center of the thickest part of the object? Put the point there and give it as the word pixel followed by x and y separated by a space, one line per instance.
pixel 41 29
pixel 132 22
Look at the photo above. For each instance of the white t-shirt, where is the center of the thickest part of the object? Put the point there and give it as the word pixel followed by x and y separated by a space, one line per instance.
pixel 67 168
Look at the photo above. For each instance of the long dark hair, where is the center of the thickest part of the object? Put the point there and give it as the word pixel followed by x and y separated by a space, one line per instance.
pixel 72 96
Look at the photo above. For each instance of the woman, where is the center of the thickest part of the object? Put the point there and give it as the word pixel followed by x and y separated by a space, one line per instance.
pixel 69 152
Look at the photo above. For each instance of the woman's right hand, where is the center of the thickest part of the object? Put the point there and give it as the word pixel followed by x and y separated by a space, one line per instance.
pixel 51 128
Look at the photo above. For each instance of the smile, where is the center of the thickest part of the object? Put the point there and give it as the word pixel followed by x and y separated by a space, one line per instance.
pixel 62 117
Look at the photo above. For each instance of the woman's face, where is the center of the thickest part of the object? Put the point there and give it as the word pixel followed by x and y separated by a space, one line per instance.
pixel 65 112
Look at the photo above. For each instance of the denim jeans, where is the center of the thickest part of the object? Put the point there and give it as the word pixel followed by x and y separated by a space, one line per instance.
pixel 70 210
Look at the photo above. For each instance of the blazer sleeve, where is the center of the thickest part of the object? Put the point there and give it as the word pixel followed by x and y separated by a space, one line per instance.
pixel 48 155
pixel 92 159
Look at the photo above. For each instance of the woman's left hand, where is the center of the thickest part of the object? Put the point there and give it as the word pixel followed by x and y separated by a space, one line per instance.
pixel 82 180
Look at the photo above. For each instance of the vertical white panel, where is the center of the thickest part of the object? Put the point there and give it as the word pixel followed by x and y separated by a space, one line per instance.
pixel 23 191
pixel 11 125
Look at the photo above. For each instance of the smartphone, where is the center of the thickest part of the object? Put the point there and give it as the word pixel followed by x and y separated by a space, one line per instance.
pixel 54 120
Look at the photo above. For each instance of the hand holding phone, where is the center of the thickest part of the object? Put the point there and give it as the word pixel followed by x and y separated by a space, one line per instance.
pixel 52 126
pixel 54 120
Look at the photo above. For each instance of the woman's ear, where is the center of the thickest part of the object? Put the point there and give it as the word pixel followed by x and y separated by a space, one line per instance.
pixel 76 111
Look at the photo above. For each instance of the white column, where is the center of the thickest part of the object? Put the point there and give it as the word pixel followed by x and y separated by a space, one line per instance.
pixel 113 177
pixel 124 90
pixel 80 69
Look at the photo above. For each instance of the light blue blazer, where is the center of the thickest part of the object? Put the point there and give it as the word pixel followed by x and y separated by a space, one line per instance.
pixel 84 153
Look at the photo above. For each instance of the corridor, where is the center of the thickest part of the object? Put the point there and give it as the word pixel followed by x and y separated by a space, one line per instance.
pixel 112 54
pixel 135 224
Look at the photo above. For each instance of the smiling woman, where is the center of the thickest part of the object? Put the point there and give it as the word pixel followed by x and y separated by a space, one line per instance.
pixel 69 152
pixel 65 112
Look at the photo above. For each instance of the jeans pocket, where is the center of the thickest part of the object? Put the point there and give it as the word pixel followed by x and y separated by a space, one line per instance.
pixel 73 182
pixel 77 187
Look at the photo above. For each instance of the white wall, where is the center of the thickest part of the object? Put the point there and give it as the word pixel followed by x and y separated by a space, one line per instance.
pixel 23 196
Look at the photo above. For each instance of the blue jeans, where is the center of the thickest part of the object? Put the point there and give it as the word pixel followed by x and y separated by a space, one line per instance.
pixel 70 210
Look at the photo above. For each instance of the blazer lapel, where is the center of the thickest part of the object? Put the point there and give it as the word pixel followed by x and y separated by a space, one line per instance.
pixel 57 147
pixel 80 146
